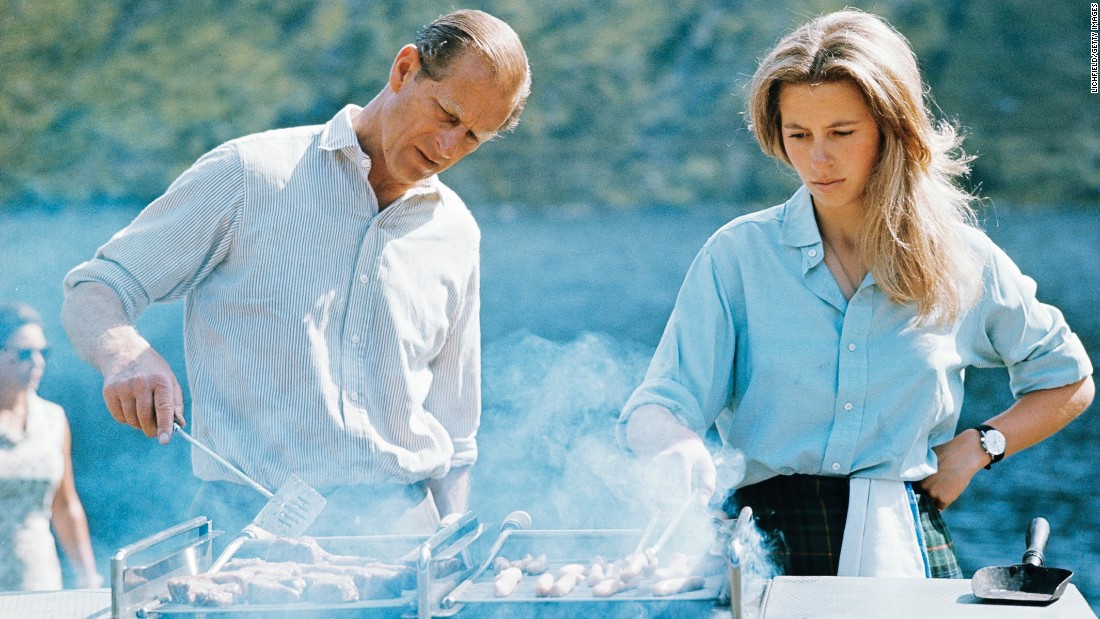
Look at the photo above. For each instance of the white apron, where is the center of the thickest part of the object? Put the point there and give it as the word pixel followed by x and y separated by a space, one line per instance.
pixel 883 535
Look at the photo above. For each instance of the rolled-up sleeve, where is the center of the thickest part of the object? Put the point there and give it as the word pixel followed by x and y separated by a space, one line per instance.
pixel 691 373
pixel 1028 337
pixel 175 241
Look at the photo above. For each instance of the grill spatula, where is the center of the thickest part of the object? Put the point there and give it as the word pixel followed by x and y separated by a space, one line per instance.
pixel 288 513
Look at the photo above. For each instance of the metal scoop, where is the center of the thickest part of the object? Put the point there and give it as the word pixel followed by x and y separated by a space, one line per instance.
pixel 288 512
pixel 1027 582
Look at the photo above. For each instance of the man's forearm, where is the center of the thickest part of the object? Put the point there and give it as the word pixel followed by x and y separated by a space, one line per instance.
pixel 451 492
pixel 96 324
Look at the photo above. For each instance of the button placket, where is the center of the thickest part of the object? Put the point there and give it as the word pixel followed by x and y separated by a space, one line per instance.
pixel 851 387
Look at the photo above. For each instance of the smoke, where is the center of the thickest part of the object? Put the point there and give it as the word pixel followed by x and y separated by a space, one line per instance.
pixel 547 442
pixel 548 447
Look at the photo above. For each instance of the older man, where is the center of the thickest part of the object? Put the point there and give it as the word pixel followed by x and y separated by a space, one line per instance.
pixel 331 283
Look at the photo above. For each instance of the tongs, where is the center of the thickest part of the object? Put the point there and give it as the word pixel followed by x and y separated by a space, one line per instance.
pixel 514 521
pixel 288 512
pixel 645 554
pixel 650 552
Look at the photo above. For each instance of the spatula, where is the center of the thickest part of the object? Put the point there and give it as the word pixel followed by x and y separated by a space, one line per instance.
pixel 288 512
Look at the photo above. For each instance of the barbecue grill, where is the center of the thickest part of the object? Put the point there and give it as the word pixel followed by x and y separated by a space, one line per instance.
pixel 449 584
pixel 140 572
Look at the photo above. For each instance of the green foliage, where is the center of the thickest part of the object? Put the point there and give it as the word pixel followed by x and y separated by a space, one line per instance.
pixel 634 102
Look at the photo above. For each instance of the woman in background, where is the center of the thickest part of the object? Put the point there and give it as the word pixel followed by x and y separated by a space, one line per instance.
pixel 826 338
pixel 36 469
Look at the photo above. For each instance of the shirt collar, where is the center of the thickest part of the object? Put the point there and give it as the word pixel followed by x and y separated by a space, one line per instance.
pixel 339 134
pixel 799 224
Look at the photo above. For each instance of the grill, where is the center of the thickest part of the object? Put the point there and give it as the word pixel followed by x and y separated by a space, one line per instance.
pixel 449 584
pixel 140 572
pixel 475 595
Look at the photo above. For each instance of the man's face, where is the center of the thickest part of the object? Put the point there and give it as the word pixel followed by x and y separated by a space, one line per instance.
pixel 429 126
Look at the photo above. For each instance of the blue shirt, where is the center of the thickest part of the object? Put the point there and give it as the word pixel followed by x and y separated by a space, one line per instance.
pixel 762 343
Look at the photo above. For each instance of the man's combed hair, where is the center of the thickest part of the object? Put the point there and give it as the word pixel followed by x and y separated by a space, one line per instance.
pixel 916 213
pixel 448 37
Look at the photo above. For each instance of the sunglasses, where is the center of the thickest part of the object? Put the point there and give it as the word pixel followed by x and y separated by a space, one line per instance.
pixel 26 354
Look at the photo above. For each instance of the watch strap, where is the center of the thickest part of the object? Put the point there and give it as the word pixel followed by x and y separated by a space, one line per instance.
pixel 995 458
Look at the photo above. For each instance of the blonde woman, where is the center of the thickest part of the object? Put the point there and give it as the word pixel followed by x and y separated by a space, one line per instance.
pixel 36 468
pixel 826 338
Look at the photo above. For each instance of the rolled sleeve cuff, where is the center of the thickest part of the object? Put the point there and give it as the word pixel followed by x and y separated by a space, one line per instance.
pixel 1062 365
pixel 669 394
pixel 465 452
pixel 131 294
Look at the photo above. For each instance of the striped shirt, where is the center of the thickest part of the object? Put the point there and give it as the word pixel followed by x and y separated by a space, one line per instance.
pixel 323 338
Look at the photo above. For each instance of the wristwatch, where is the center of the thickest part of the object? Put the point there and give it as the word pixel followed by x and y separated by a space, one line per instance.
pixel 993 442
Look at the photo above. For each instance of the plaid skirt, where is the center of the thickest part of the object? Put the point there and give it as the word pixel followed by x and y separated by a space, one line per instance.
pixel 802 518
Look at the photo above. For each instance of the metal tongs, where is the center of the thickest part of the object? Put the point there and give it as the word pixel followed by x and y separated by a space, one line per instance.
pixel 645 555
pixel 514 521
pixel 288 512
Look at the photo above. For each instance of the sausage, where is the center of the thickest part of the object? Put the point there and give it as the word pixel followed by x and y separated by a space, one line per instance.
pixel 507 581
pixel 573 568
pixel 607 587
pixel 536 566
pixel 563 585
pixel 543 585
pixel 672 586
pixel 595 574
pixel 633 566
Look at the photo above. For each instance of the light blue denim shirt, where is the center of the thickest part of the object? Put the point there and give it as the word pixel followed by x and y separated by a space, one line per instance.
pixel 818 385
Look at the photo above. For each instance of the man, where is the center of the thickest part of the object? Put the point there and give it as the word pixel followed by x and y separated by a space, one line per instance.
pixel 331 287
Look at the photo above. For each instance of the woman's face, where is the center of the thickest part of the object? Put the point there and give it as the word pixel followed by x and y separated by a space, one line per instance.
pixel 831 139
pixel 22 359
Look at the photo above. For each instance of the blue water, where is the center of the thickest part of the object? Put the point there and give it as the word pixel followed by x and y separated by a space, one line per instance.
pixel 574 300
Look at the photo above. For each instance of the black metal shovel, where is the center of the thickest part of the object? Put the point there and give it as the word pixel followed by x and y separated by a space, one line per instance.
pixel 1027 582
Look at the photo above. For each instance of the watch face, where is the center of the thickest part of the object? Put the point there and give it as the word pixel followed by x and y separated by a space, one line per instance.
pixel 994 442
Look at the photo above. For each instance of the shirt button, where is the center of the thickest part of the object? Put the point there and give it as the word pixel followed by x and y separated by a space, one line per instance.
pixel 812 253
pixel 836 466
pixel 847 406
pixel 363 278
pixel 355 338
pixel 354 396
pixel 851 347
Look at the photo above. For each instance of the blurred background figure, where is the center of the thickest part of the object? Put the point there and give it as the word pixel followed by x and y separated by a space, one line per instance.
pixel 36 470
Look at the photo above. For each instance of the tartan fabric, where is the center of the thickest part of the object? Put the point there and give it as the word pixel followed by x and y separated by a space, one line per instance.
pixel 938 544
pixel 802 518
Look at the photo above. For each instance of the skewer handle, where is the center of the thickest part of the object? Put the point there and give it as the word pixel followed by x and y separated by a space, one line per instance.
pixel 222 461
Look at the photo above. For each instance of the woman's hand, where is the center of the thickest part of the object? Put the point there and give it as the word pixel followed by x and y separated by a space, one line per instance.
pixel 679 462
pixel 959 459
pixel 685 465
pixel 1035 416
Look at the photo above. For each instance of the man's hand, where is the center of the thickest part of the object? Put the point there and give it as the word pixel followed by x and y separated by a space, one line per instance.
pixel 139 387
pixel 141 390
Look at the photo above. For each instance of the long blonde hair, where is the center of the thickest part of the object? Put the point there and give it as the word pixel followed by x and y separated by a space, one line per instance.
pixel 913 234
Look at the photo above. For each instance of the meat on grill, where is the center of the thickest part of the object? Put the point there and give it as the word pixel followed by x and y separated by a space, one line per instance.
pixel 293 570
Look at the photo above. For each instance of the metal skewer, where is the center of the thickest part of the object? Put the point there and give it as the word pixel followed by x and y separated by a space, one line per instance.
pixel 648 531
pixel 670 528
pixel 222 461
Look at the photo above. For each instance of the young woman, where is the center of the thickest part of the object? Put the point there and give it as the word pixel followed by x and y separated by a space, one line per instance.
pixel 826 338
pixel 36 469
